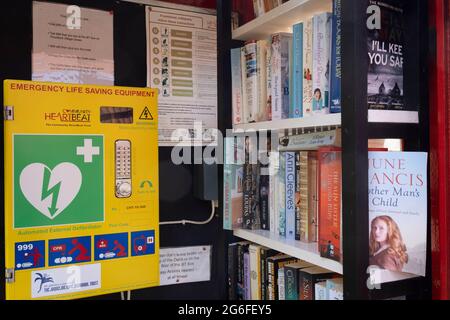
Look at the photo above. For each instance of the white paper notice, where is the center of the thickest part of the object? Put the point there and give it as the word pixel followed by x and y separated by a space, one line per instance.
pixel 182 64
pixel 183 265
pixel 61 281
pixel 72 44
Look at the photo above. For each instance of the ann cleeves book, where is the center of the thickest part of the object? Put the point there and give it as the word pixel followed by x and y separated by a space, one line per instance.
pixel 398 211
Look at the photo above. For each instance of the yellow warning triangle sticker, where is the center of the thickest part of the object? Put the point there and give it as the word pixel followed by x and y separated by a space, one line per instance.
pixel 146 115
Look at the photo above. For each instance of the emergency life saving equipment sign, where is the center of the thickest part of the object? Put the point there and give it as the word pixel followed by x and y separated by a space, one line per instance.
pixel 81 189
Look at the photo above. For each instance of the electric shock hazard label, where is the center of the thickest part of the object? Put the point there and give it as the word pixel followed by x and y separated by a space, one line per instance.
pixel 58 180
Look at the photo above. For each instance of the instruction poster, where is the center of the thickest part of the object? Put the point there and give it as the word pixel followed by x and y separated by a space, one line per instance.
pixel 182 65
pixel 72 44
pixel 81 189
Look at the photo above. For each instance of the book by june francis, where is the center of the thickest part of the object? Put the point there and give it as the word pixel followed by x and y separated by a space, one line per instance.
pixel 385 28
pixel 398 211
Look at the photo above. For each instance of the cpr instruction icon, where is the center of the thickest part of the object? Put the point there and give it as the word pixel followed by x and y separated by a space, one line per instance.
pixel 58 180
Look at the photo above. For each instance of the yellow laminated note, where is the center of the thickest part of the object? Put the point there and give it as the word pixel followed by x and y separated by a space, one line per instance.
pixel 81 189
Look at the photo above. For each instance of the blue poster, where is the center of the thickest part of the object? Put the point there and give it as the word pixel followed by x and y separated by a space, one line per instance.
pixel 30 255
pixel 143 243
pixel 69 251
pixel 110 246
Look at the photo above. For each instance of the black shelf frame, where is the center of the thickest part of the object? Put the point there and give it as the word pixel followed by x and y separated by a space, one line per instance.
pixel 356 130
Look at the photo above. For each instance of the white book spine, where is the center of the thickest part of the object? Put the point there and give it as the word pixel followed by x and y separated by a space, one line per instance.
pixel 262 80
pixel 236 82
pixel 251 81
pixel 307 67
pixel 245 107
pixel 320 291
pixel 281 292
pixel 254 252
pixel 321 63
pixel 276 78
pixel 269 81
pixel 273 182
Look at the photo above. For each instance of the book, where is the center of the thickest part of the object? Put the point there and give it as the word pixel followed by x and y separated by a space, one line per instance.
pixel 320 291
pixel 282 195
pixel 385 27
pixel 250 81
pixel 273 192
pixel 262 48
pixel 291 278
pixel 297 72
pixel 236 86
pixel 280 75
pixel 233 184
pixel 274 263
pixel 308 278
pixel 269 80
pixel 281 285
pixel 290 195
pixel 232 271
pixel 264 194
pixel 247 277
pixel 398 212
pixel 330 203
pixel 307 67
pixel 255 271
pixel 264 254
pixel 242 247
pixel 321 63
pixel 335 289
pixel 336 50
pixel 311 141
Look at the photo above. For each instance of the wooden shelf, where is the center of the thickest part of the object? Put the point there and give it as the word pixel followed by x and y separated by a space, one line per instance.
pixel 307 122
pixel 281 19
pixel 305 251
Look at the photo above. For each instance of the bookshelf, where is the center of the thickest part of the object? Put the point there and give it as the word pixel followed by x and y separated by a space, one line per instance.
pixel 301 123
pixel 280 19
pixel 304 251
pixel 357 129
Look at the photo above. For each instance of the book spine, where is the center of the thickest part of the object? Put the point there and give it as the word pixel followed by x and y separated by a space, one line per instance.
pixel 281 287
pixel 321 63
pixel 240 272
pixel 313 200
pixel 290 281
pixel 232 272
pixel 330 204
pixel 247 195
pixel 255 272
pixel 245 106
pixel 304 205
pixel 290 195
pixel 271 286
pixel 255 208
pixel 269 80
pixel 276 78
pixel 311 141
pixel 273 208
pixel 227 185
pixel 262 80
pixel 251 81
pixel 297 72
pixel 306 286
pixel 282 196
pixel 236 83
pixel 336 73
pixel 320 291
pixel 286 49
pixel 247 276
pixel 307 67
pixel 264 192
pixel 297 197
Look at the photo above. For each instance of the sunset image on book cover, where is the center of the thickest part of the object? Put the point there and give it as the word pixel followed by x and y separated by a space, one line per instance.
pixel 385 27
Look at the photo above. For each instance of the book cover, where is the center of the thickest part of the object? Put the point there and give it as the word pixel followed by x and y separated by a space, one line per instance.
pixel 297 72
pixel 336 72
pixel 385 27
pixel 307 67
pixel 236 86
pixel 321 63
pixel 264 254
pixel 290 195
pixel 398 211
pixel 308 278
pixel 255 271
pixel 233 184
pixel 330 203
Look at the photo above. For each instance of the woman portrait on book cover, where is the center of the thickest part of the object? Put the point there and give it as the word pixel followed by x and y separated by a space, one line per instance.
pixel 317 100
pixel 386 247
